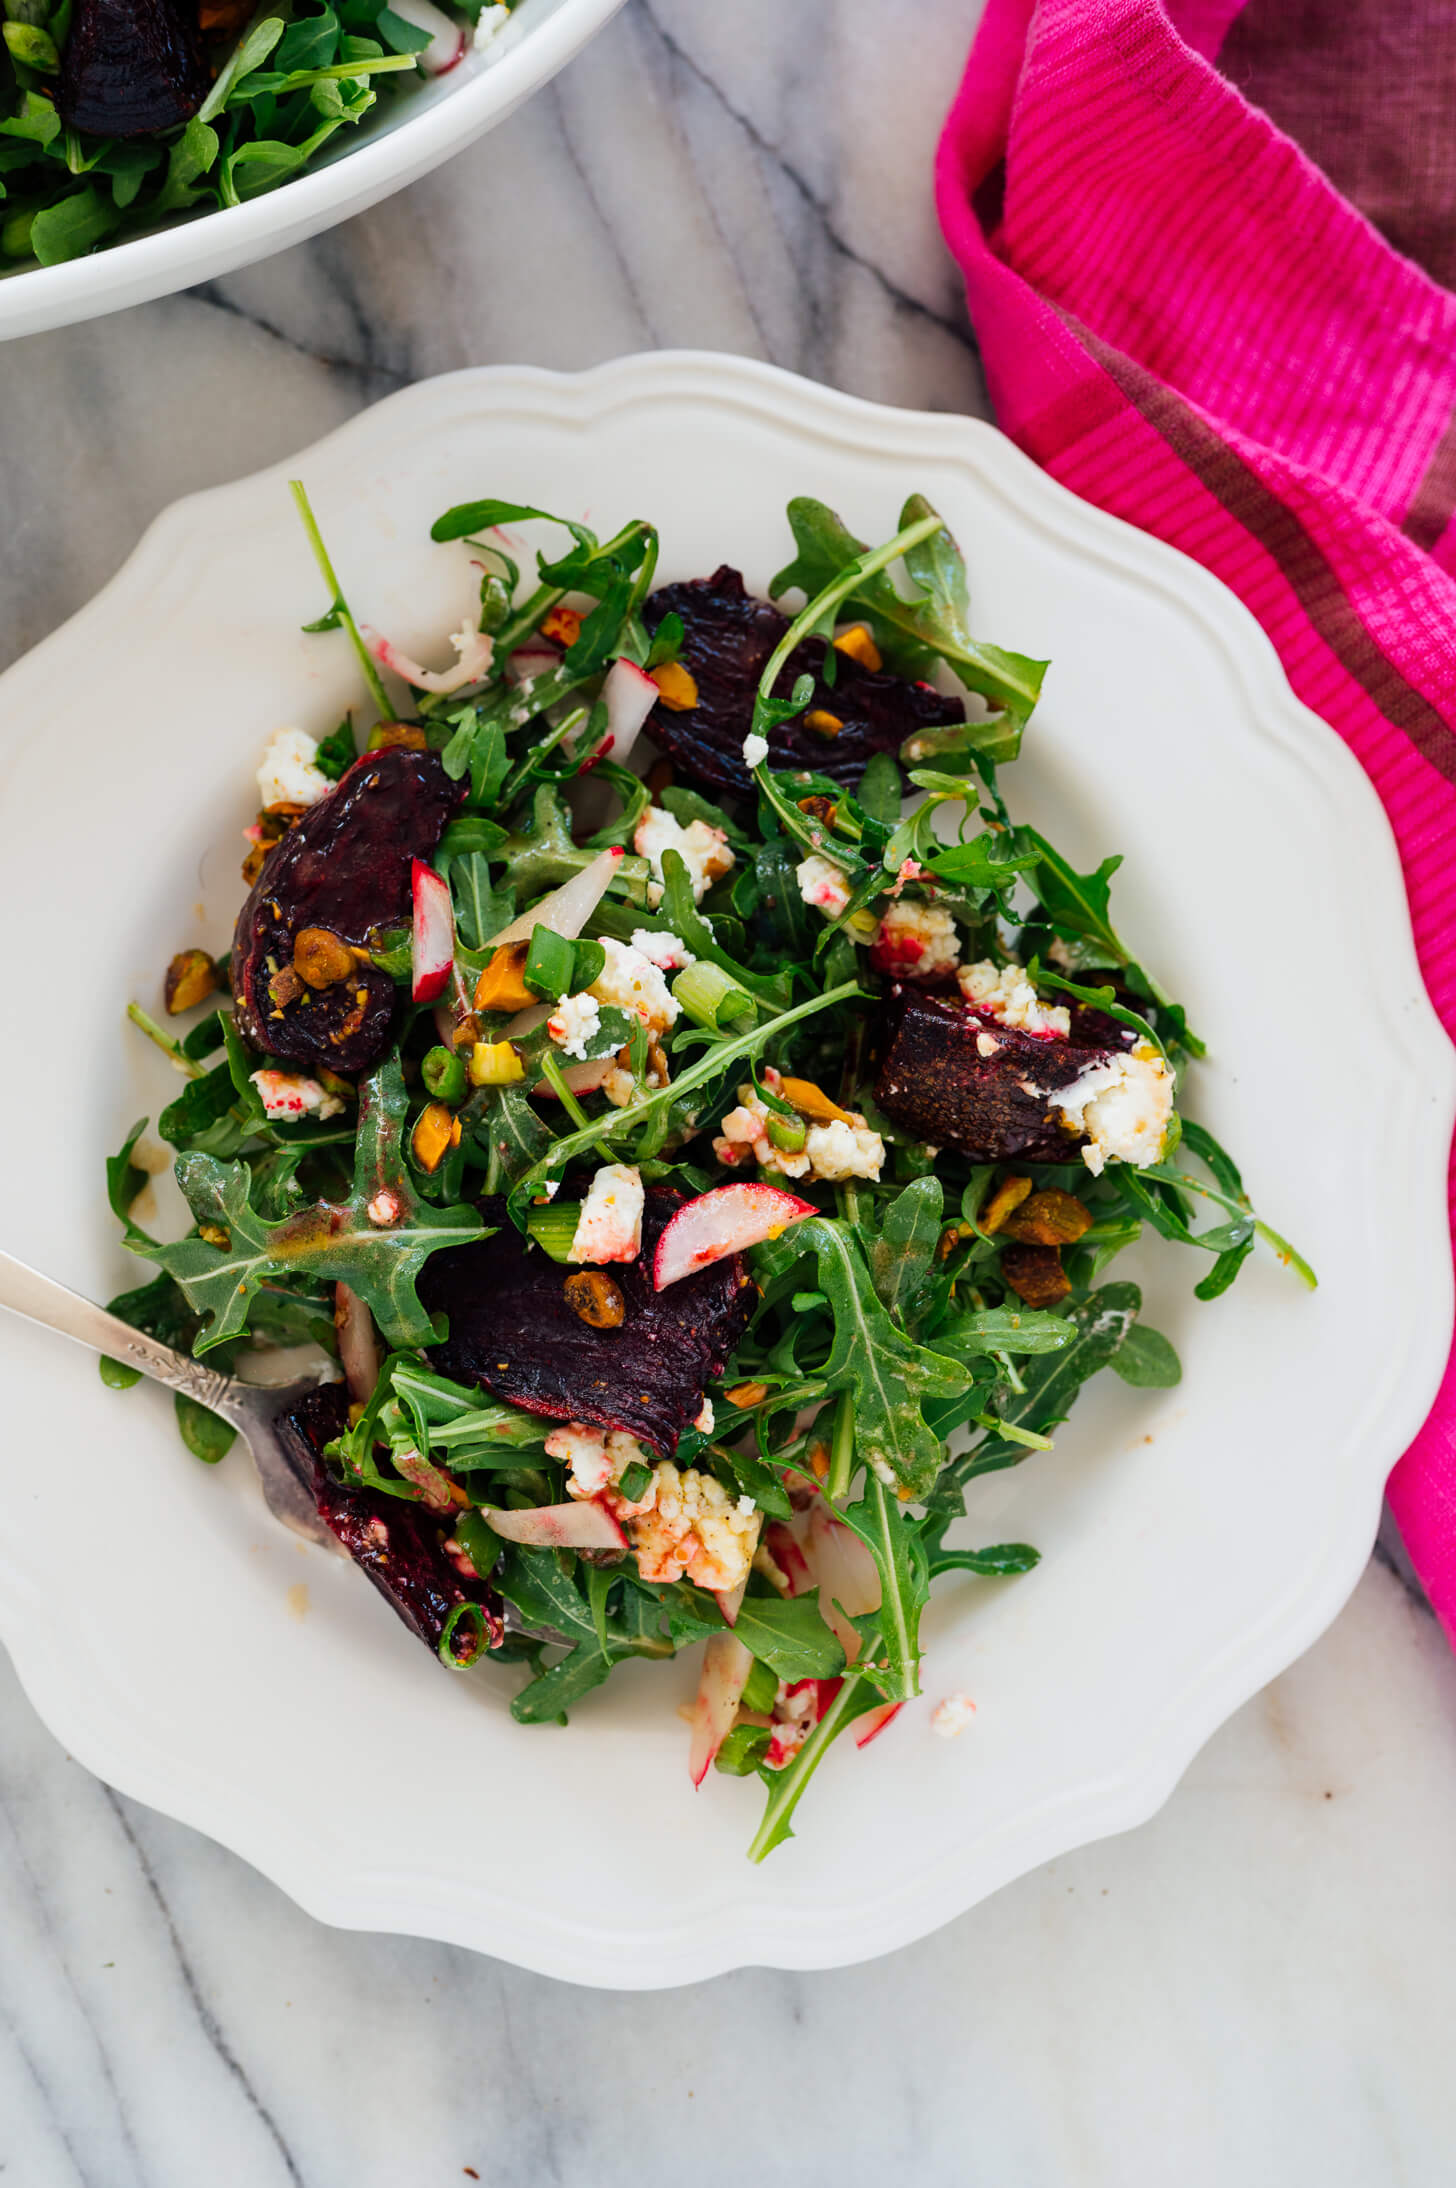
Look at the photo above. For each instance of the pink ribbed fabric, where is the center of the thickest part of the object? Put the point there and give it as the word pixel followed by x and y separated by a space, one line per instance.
pixel 1184 322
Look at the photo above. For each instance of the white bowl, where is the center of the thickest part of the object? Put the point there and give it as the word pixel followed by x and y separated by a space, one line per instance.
pixel 414 133
pixel 1194 1540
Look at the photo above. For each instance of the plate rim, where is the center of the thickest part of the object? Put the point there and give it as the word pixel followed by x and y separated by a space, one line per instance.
pixel 705 1942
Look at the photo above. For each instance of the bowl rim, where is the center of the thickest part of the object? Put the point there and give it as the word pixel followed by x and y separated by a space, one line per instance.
pixel 190 251
pixel 719 1934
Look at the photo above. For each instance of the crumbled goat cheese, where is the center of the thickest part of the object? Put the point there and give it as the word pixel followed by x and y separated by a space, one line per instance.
pixel 704 850
pixel 705 1422
pixel 834 1150
pixel 951 1716
pixel 1007 994
pixel 575 1022
pixel 755 750
pixel 609 1227
pixel 489 25
pixel 634 983
pixel 916 940
pixel 694 1527
pixel 598 1459
pixel 823 884
pixel 619 1086
pixel 385 1208
pixel 668 952
pixel 283 1094
pixel 746 1506
pixel 1124 1106
pixel 287 775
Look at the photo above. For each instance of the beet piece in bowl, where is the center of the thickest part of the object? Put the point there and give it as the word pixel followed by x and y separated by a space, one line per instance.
pixel 728 636
pixel 514 1331
pixel 958 1078
pixel 398 1544
pixel 343 868
pixel 131 68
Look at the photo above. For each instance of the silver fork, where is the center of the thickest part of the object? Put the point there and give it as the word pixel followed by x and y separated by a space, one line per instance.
pixel 251 1408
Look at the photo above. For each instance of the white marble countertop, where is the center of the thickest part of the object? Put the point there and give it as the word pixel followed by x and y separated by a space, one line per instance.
pixel 1256 1987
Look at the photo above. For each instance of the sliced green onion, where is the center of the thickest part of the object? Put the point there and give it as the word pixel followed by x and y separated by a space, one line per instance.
pixel 634 1481
pixel 790 1137
pixel 550 964
pixel 449 1655
pixel 710 996
pixel 444 1075
pixel 554 1227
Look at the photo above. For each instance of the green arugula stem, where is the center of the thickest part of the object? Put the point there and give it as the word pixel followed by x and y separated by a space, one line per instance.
pixel 815 611
pixel 722 1053
pixel 1281 1246
pixel 524 621
pixel 341 606
pixel 841 1450
pixel 552 1073
pixel 171 1049
pixel 788 1788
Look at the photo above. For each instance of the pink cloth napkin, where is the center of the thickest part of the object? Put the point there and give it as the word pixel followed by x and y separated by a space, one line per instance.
pixel 1186 322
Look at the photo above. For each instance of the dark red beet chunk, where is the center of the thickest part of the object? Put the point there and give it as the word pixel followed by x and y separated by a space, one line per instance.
pixel 130 68
pixel 727 638
pixel 935 1081
pixel 344 866
pixel 399 1545
pixel 512 1331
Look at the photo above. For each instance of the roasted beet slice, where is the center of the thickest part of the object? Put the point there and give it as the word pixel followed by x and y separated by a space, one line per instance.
pixel 130 68
pixel 959 1079
pixel 399 1545
pixel 344 867
pixel 727 638
pixel 513 1330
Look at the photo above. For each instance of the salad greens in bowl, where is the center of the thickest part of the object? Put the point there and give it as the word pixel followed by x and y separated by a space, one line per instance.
pixel 699 1112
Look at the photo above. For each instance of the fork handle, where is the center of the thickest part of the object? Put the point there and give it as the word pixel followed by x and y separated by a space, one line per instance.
pixel 40 1299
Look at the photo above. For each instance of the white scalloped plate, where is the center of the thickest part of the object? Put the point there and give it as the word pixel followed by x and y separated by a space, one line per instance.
pixel 1194 1541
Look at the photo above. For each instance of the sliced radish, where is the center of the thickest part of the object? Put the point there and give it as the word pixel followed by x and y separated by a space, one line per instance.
pixel 446 48
pixel 434 933
pixel 726 1665
pixel 476 650
pixel 730 1601
pixel 529 662
pixel 358 1343
pixel 849 1580
pixel 874 1721
pixel 581 1525
pixel 629 695
pixel 580 1078
pixel 787 1552
pixel 721 1222
pixel 567 909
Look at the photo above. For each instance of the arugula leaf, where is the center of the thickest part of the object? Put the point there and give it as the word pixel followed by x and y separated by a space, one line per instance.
pixel 903 1250
pixel 332 1243
pixel 480 910
pixel 788 1634
pixel 337 752
pixel 892 1539
pixel 1147 1360
pixel 125 1181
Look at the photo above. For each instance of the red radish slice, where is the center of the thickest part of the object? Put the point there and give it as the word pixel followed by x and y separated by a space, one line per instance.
pixel 529 662
pixel 730 1601
pixel 446 48
pixel 358 1343
pixel 580 1078
pixel 721 1222
pixel 849 1581
pixel 874 1722
pixel 567 909
pixel 726 1665
pixel 787 1552
pixel 434 933
pixel 476 650
pixel 629 695
pixel 583 1525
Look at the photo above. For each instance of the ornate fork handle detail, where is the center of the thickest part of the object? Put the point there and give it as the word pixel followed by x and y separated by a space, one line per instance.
pixel 25 1291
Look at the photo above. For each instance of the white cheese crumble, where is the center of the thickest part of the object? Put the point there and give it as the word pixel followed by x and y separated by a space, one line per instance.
pixel 1007 994
pixel 1124 1106
pixel 823 884
pixel 287 775
pixel 836 1150
pixel 284 1094
pixel 694 1527
pixel 609 1227
pixel 385 1208
pixel 668 952
pixel 706 1422
pixel 755 750
pixel 575 1022
pixel 489 25
pixel 598 1458
pixel 704 850
pixel 634 983
pixel 950 1717
pixel 916 940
